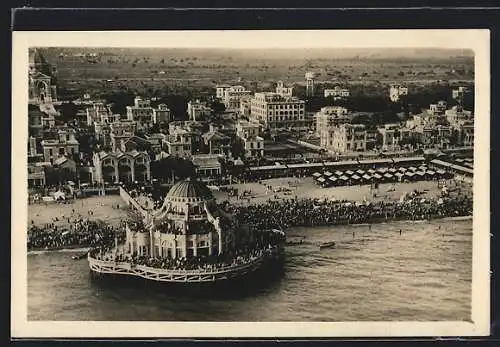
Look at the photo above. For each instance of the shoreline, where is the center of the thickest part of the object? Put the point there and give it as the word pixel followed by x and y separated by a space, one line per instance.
pixel 82 248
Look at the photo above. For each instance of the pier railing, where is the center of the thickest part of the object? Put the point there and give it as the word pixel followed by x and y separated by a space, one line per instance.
pixel 176 275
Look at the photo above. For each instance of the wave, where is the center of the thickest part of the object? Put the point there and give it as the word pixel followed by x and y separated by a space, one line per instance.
pixel 458 218
pixel 59 250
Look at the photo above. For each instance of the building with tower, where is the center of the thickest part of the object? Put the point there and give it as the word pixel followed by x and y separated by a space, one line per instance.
pixel 41 88
pixel 310 84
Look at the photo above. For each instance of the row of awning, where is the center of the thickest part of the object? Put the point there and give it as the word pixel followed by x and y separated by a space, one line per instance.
pixel 345 176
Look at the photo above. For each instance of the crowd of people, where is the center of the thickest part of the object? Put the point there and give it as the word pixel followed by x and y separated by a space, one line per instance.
pixel 315 212
pixel 81 232
pixel 200 263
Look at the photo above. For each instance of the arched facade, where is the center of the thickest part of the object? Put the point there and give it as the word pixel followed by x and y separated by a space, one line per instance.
pixel 122 167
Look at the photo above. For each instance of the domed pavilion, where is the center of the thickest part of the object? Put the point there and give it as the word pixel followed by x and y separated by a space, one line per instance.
pixel 187 225
pixel 188 239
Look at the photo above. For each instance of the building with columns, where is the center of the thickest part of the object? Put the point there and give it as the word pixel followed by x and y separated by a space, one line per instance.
pixel 114 167
pixel 189 224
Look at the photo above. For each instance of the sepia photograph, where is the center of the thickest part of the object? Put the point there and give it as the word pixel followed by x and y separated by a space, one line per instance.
pixel 250 183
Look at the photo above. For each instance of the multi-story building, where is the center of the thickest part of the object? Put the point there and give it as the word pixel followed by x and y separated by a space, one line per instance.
pixel 179 143
pixel 198 110
pixel 282 90
pixel 65 144
pixel 337 93
pixel 114 167
pixel 396 90
pixel 162 115
pixel 36 175
pixel 346 138
pixel 142 113
pixel 391 136
pixel 330 116
pixel 274 111
pixel 457 115
pixel 192 129
pixel 100 113
pixel 438 109
pixel 220 91
pixel 459 92
pixel 248 133
pixel 245 106
pixel 156 141
pixel 233 95
pixel 121 131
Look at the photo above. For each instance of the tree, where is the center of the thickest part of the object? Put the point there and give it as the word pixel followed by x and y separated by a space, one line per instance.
pixel 68 112
pixel 217 107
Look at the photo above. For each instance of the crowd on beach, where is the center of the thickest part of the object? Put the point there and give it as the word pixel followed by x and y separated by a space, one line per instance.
pixel 316 212
pixel 80 232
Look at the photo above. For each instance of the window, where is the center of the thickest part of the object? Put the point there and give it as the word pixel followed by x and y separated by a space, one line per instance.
pixel 61 151
pixel 50 152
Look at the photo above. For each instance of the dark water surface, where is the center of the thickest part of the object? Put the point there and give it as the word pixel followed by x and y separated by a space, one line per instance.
pixel 374 275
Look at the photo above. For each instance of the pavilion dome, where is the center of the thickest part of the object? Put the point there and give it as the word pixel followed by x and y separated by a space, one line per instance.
pixel 189 190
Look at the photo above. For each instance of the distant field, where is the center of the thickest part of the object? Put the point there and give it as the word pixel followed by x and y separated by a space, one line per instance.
pixel 172 69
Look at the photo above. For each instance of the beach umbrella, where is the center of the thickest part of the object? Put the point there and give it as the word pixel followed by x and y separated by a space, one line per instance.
pixel 316 174
pixel 382 170
pixel 355 177
pixel 371 171
pixel 338 173
pixel 367 177
pixel 327 173
pixel 377 176
pixel 349 172
pixel 333 179
pixel 360 172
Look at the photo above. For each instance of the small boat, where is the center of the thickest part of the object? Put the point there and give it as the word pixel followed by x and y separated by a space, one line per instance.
pixel 330 244
pixel 79 256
